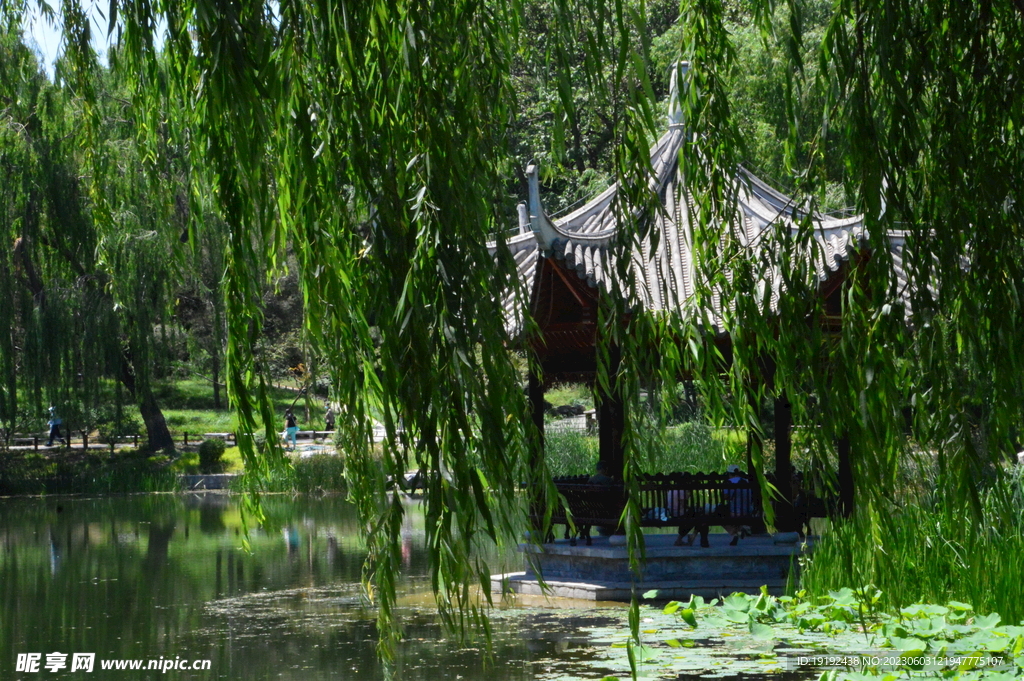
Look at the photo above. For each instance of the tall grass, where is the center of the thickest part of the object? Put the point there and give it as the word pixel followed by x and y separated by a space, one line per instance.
pixel 694 447
pixel 931 549
pixel 689 447
pixel 92 474
pixel 311 474
pixel 570 452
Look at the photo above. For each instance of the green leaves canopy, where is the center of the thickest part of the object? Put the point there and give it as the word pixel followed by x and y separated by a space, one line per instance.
pixel 370 134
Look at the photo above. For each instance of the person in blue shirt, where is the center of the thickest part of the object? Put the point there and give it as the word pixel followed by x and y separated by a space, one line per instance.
pixel 54 425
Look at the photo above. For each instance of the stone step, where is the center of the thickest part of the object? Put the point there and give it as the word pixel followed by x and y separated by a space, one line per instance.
pixel 712 587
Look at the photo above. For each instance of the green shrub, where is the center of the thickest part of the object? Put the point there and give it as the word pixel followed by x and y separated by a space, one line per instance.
pixel 187 463
pixel 209 454
pixel 112 429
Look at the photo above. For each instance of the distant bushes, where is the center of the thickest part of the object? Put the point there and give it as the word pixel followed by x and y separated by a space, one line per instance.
pixel 91 473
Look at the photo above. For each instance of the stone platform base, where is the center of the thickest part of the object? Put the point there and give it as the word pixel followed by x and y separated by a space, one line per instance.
pixel 527 584
pixel 601 572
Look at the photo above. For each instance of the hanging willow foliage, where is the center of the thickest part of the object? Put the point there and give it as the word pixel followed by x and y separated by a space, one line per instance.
pixel 928 100
pixel 92 239
pixel 371 136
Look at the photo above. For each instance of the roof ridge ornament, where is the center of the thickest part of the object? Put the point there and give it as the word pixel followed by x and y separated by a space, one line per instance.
pixel 543 230
pixel 524 218
pixel 675 107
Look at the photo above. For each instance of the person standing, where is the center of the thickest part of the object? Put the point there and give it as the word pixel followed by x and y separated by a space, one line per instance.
pixel 329 418
pixel 290 428
pixel 54 425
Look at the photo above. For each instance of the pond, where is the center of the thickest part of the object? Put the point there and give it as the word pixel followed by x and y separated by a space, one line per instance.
pixel 165 578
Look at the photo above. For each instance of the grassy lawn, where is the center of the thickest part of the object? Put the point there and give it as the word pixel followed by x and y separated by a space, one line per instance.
pixel 188 407
pixel 575 393
pixel 232 460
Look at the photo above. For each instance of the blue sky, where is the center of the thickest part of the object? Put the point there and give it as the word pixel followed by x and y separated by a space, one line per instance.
pixel 47 39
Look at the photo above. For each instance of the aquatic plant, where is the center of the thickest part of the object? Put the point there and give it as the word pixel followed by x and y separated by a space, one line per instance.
pixel 844 636
pixel 312 474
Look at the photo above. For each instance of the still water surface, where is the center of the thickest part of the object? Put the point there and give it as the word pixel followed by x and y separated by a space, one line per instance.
pixel 165 576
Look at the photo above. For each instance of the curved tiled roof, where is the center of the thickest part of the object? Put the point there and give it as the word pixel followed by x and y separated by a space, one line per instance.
pixel 584 239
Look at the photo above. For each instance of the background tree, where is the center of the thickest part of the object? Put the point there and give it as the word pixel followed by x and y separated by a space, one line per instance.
pixel 88 269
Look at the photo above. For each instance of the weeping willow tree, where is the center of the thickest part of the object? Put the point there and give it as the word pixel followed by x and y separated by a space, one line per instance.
pixel 87 261
pixel 926 101
pixel 370 136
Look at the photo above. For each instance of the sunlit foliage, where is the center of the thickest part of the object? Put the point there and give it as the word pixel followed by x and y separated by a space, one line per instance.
pixel 373 137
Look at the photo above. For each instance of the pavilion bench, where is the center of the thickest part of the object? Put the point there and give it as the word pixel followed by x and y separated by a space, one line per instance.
pixel 683 500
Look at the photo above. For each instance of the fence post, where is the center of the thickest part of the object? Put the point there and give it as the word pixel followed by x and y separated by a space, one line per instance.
pixel 136 440
pixel 186 438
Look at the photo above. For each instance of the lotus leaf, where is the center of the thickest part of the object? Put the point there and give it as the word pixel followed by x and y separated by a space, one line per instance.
pixel 914 645
pixel 988 621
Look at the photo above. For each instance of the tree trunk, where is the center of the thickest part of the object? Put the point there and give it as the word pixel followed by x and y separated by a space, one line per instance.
pixel 216 347
pixel 156 427
pixel 157 433
pixel 216 378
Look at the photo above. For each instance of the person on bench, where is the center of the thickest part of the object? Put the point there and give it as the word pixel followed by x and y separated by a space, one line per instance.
pixel 739 502
pixel 601 477
pixel 678 505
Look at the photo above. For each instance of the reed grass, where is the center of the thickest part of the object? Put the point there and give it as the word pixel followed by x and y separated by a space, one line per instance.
pixel 320 473
pixel 570 453
pixel 689 447
pixel 931 548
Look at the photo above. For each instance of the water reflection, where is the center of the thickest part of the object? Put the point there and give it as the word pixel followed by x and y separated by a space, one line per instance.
pixel 153 576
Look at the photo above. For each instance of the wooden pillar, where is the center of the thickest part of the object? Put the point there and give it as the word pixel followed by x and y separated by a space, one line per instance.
pixel 535 393
pixel 845 477
pixel 786 519
pixel 754 441
pixel 611 416
pixel 784 446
